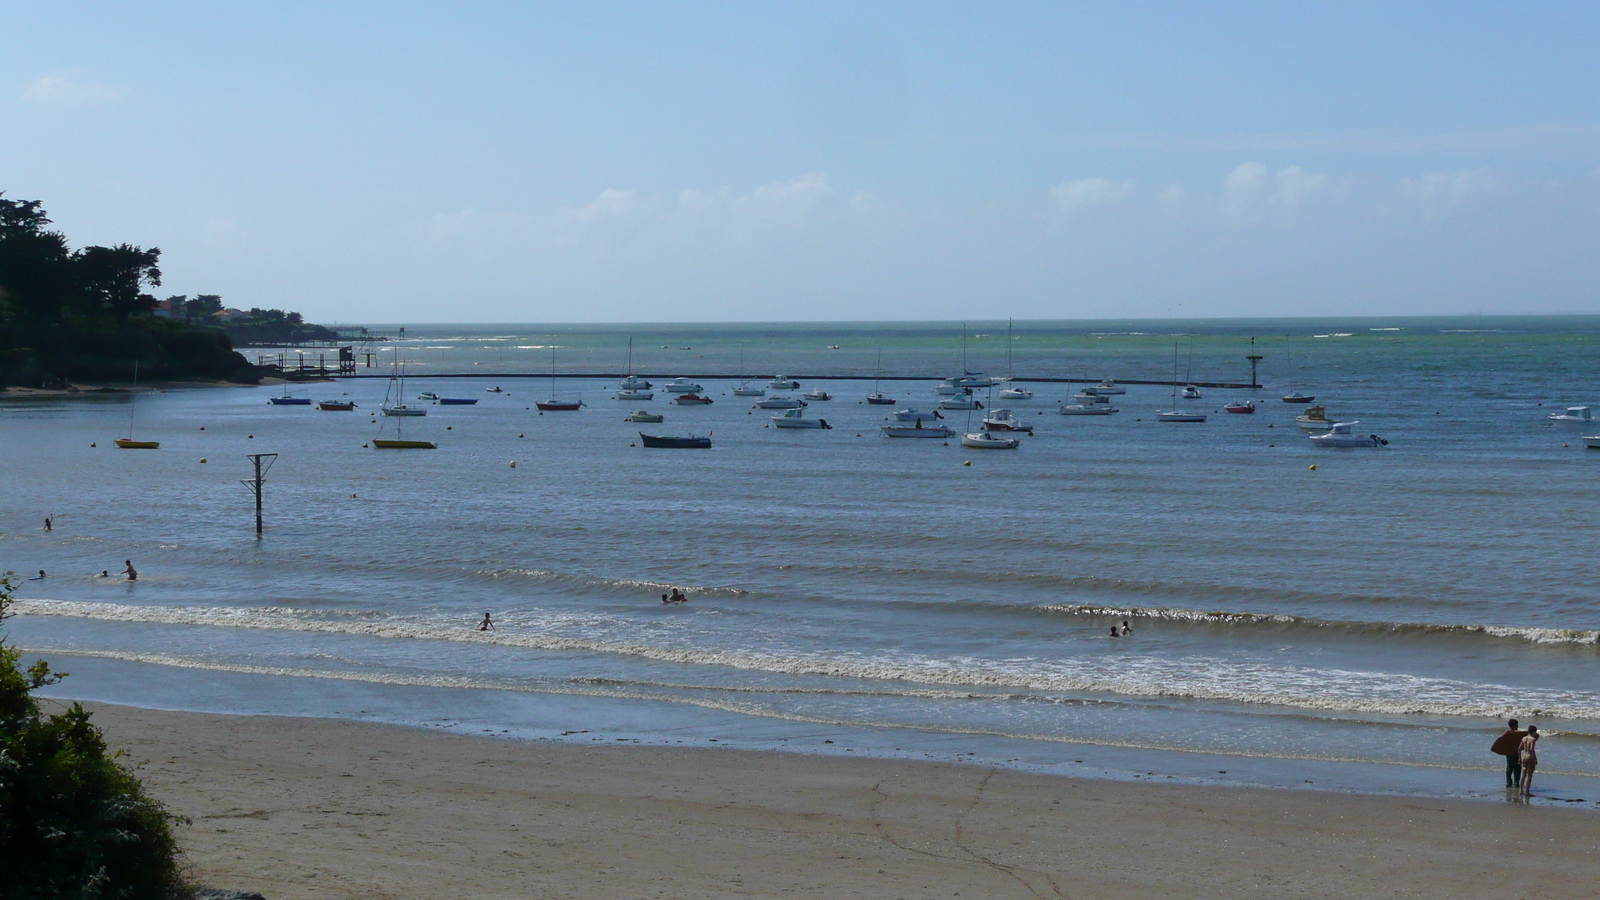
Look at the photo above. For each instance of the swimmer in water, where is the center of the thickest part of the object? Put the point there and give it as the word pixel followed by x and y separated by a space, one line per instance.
pixel 486 624
pixel 1126 628
pixel 1114 632
pixel 38 576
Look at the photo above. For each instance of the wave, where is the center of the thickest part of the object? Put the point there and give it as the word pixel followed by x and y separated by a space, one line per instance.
pixel 585 583
pixel 1538 635
pixel 1192 679
pixel 575 688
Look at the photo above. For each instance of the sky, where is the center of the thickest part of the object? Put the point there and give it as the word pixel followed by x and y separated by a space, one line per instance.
pixel 604 162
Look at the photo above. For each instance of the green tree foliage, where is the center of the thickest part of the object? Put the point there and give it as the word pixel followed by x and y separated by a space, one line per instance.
pixel 74 822
pixel 85 314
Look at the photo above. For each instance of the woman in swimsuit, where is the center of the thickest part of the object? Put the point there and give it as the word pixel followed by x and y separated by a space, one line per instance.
pixel 1528 755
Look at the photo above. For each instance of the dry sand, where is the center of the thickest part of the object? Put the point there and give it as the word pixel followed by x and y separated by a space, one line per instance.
pixel 314 808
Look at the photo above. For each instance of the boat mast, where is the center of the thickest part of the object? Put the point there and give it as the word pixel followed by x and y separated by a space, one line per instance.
pixel 133 398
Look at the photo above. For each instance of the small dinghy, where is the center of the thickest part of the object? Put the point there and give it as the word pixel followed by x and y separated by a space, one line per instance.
pixel 458 401
pixel 691 400
pixel 644 415
pixel 1245 408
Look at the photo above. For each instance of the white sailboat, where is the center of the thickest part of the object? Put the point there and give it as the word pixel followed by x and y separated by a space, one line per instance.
pixel 877 398
pixel 1176 414
pixel 397 388
pixel 128 443
pixel 634 387
pixel 1011 391
pixel 744 389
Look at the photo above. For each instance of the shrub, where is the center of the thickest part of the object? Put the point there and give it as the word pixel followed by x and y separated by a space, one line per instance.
pixel 74 822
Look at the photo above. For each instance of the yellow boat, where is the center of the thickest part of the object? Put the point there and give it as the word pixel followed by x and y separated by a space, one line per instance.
pixel 131 444
pixel 379 444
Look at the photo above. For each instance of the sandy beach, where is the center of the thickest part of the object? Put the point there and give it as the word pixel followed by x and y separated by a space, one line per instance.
pixel 320 808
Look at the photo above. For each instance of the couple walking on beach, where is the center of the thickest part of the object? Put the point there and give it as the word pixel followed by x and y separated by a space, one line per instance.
pixel 1520 748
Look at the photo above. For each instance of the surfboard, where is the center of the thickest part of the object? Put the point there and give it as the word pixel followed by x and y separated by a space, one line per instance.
pixel 1506 744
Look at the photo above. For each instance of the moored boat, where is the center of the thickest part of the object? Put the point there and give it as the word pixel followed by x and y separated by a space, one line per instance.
pixel 1100 407
pixel 683 442
pixel 961 401
pixel 916 431
pixel 682 386
pixel 783 383
pixel 558 405
pixel 289 401
pixel 797 418
pixel 817 394
pixel 131 444
pixel 983 440
pixel 1342 435
pixel 911 414
pixel 1243 408
pixel 336 405
pixel 458 401
pixel 1297 397
pixel 780 401
pixel 1190 392
pixel 691 400
pixel 392 444
pixel 644 415
pixel 1574 415
pixel 1003 420
pixel 634 394
pixel 1315 418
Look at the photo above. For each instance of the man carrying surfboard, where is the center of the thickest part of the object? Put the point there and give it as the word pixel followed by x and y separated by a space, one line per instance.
pixel 1508 745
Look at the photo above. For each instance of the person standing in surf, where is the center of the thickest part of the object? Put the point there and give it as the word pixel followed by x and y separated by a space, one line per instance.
pixel 1528 757
pixel 130 571
pixel 1507 745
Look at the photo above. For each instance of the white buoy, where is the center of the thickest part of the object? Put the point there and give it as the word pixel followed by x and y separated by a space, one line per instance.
pixel 513 464
pixel 202 460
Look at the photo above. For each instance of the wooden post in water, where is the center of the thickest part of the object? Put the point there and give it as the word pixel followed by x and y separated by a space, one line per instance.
pixel 1254 358
pixel 254 484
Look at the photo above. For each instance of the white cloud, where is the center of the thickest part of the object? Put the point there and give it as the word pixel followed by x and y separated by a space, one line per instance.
pixel 68 89
pixel 1433 189
pixel 1072 197
pixel 1251 190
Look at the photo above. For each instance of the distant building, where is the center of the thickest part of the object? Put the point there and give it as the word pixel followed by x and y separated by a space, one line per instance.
pixel 166 310
pixel 228 315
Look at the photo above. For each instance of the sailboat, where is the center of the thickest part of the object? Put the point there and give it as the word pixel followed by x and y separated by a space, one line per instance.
pixel 1011 391
pixel 744 389
pixel 128 443
pixel 966 379
pixel 632 387
pixel 554 405
pixel 1293 396
pixel 399 442
pixel 287 400
pixel 1175 414
pixel 876 398
pixel 1190 391
pixel 397 384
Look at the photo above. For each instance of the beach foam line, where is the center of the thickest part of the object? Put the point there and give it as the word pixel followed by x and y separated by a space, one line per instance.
pixel 596 582
pixel 1535 634
pixel 576 689
pixel 1182 679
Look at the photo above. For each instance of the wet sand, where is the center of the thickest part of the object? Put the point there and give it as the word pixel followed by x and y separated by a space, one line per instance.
pixel 317 808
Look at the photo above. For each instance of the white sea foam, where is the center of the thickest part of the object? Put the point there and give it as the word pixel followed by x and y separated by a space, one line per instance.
pixel 1186 678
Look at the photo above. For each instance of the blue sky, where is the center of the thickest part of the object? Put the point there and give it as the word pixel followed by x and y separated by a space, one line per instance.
pixel 707 161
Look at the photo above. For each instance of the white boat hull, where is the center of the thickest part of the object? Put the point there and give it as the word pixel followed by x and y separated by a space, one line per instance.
pixel 1175 416
pixel 749 392
pixel 911 431
pixel 635 395
pixel 780 403
pixel 1089 409
pixel 403 411
pixel 982 440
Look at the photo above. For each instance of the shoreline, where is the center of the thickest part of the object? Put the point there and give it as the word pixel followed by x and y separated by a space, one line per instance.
pixel 296 807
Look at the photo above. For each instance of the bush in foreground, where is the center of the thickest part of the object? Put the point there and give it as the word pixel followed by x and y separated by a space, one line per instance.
pixel 74 822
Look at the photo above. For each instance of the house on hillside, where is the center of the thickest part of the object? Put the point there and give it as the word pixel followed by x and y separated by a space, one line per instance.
pixel 166 309
pixel 224 316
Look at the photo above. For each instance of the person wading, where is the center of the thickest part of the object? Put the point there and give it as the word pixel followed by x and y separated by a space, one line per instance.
pixel 1508 745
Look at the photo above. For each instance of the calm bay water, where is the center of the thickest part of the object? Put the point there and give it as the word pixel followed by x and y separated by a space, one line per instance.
pixel 1359 626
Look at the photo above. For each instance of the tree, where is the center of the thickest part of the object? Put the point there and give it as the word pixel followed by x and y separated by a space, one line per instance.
pixel 202 306
pixel 35 267
pixel 74 822
pixel 114 277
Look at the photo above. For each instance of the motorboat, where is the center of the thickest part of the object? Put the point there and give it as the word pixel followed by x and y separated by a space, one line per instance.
pixel 554 405
pixel 682 386
pixel 1015 393
pixel 1297 397
pixel 783 383
pixel 983 440
pixel 1190 392
pixel 917 431
pixel 400 409
pixel 977 380
pixel 427 395
pixel 1090 395
pixel 685 442
pixel 336 405
pixel 1343 435
pixel 691 400
pixel 1101 407
pixel 634 383
pixel 1003 420
pixel 817 394
pixel 131 444
pixel 289 401
pixel 745 390
pixel 949 387
pixel 1592 442
pixel 494 390
pixel 780 401
pixel 1245 407
pixel 877 398
pixel 910 414
pixel 1576 415
pixel 1178 415
pixel 396 444
pixel 645 415
pixel 797 418
pixel 961 401
pixel 1315 418
pixel 458 401
pixel 634 394
pixel 1108 387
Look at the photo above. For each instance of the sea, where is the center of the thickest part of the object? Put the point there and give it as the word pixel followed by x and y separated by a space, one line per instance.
pixel 1358 620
